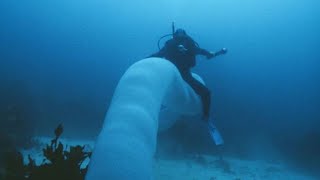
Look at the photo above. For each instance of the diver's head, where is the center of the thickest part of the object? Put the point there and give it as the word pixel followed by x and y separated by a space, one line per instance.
pixel 179 34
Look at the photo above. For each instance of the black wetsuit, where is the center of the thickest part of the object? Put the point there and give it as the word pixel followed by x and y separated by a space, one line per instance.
pixel 184 60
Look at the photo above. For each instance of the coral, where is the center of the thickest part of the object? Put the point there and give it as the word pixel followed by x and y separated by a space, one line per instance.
pixel 58 164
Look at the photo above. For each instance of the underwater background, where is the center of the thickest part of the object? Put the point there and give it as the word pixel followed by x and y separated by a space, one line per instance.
pixel 60 61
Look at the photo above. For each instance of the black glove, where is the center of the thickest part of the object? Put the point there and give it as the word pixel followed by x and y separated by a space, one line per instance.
pixel 210 55
pixel 224 50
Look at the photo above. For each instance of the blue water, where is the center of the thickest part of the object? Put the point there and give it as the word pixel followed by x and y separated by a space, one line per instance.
pixel 61 60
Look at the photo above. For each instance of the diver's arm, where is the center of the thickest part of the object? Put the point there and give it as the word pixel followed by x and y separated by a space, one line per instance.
pixel 210 54
pixel 221 52
pixel 200 51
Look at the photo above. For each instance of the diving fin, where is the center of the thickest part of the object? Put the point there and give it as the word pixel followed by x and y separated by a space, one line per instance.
pixel 214 133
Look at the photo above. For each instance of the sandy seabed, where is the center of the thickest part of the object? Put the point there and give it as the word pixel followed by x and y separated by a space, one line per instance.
pixel 195 167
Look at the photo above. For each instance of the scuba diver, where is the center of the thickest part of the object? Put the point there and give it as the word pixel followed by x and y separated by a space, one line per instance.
pixel 181 50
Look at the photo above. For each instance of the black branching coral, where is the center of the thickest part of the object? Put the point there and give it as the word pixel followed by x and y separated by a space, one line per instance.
pixel 58 163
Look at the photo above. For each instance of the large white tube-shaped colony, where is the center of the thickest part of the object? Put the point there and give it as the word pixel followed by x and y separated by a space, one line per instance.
pixel 126 144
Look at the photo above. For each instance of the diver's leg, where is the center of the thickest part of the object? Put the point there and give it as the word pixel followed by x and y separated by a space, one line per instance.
pixel 201 90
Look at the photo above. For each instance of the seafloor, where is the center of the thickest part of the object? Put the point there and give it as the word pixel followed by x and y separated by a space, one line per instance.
pixel 195 166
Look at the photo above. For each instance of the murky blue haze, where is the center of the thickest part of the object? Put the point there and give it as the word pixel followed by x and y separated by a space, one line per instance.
pixel 61 60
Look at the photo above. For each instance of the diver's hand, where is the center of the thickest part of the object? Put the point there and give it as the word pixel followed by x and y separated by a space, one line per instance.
pixel 222 51
pixel 210 55
pixel 214 54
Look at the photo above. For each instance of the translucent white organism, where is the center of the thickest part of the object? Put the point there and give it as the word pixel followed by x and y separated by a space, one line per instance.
pixel 150 95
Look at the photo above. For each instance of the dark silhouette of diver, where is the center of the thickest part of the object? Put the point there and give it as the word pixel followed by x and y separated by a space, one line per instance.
pixel 181 50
